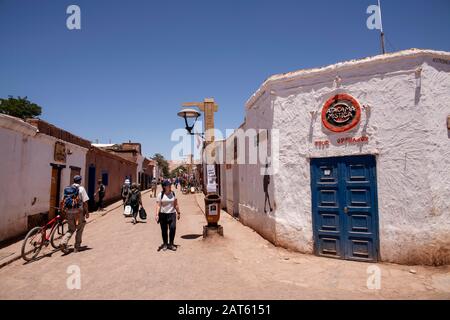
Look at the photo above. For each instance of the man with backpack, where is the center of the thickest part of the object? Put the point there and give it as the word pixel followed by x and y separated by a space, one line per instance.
pixel 125 191
pixel 75 206
pixel 134 200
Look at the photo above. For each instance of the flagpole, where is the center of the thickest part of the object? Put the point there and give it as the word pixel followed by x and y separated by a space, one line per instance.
pixel 382 31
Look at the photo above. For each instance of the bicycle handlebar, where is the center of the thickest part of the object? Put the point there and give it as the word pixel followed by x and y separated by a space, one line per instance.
pixel 58 210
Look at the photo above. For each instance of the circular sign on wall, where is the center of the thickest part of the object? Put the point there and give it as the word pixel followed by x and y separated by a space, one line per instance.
pixel 341 113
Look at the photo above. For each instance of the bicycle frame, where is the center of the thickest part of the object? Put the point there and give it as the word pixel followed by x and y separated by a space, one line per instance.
pixel 51 225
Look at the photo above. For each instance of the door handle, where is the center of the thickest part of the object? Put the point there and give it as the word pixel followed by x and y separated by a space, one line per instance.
pixel 346 210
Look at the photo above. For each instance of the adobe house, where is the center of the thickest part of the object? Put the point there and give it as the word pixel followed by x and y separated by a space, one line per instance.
pixel 132 151
pixel 111 169
pixel 363 160
pixel 38 160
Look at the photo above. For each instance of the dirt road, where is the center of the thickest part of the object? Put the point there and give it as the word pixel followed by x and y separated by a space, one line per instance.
pixel 123 263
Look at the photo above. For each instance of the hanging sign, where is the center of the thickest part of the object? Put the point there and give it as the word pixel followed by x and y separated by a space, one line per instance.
pixel 341 113
pixel 59 152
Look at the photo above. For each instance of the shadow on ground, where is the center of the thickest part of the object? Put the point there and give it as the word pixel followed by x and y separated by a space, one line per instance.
pixel 191 236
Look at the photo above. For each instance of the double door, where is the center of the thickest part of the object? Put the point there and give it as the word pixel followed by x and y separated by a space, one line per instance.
pixel 344 207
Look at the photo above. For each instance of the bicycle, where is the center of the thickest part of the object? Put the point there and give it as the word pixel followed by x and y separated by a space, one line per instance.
pixel 38 237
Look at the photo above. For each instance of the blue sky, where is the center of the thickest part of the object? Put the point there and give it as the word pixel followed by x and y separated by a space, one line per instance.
pixel 124 75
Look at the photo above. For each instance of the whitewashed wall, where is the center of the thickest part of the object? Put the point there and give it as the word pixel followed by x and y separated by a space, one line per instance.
pixel 232 181
pixel 408 135
pixel 252 196
pixel 25 173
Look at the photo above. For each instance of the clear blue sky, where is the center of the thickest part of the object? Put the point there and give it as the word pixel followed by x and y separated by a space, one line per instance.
pixel 124 75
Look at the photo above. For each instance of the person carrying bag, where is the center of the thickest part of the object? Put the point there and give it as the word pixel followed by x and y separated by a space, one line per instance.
pixel 142 213
pixel 134 200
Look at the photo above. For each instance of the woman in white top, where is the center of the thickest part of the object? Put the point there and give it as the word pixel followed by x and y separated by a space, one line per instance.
pixel 167 213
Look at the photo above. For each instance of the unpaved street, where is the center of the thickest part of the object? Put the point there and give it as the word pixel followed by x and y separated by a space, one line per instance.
pixel 123 263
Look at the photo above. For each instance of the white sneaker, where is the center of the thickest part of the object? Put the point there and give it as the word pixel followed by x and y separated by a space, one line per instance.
pixel 133 221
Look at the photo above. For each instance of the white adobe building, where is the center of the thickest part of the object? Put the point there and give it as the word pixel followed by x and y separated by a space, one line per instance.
pixel 35 168
pixel 364 160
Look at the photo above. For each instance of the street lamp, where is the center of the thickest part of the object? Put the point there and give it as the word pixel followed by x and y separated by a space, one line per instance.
pixel 186 114
pixel 212 199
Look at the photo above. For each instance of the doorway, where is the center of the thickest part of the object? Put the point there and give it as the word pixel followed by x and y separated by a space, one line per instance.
pixel 92 185
pixel 55 188
pixel 345 208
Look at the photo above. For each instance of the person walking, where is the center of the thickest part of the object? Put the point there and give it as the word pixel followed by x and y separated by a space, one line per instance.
pixel 125 191
pixel 101 191
pixel 167 213
pixel 154 185
pixel 76 217
pixel 183 184
pixel 134 200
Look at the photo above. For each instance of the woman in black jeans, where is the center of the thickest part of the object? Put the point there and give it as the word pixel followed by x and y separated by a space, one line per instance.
pixel 167 214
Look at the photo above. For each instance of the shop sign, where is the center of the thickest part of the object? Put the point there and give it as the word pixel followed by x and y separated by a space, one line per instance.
pixel 341 113
pixel 353 140
pixel 211 186
pixel 322 144
pixel 60 152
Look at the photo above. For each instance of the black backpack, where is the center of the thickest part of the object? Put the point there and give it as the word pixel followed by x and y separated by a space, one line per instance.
pixel 134 198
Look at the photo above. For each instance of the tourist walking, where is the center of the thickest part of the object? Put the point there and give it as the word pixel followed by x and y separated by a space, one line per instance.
pixel 134 200
pixel 125 191
pixel 76 214
pixel 101 191
pixel 154 185
pixel 167 213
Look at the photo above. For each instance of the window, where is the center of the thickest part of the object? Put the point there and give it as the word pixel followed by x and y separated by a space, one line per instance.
pixel 105 178
pixel 74 171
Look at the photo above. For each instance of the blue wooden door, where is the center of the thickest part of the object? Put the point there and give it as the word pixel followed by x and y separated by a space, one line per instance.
pixel 92 182
pixel 344 207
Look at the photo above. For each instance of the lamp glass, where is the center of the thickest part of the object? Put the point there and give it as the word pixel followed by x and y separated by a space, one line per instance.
pixel 189 113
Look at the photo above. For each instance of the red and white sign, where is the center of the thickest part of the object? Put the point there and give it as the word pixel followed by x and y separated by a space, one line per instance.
pixel 341 113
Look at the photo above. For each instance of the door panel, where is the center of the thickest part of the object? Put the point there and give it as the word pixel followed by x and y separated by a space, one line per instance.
pixel 327 220
pixel 344 206
pixel 55 187
pixel 53 192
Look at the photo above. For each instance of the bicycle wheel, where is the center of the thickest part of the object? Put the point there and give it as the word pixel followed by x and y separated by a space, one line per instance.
pixel 58 233
pixel 32 244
